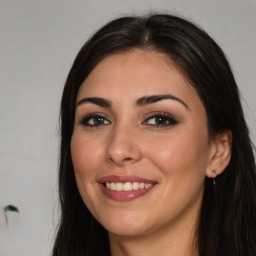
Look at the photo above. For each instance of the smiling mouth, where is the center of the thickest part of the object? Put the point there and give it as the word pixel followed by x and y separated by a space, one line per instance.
pixel 127 186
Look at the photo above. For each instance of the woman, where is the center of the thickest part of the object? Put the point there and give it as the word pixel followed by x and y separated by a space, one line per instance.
pixel 155 152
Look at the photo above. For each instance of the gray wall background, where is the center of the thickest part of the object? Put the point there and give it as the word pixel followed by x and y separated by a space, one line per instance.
pixel 38 42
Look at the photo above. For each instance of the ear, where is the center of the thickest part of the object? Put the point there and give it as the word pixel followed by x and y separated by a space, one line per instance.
pixel 220 154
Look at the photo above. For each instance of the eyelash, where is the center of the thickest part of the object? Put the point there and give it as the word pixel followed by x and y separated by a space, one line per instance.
pixel 171 121
pixel 85 120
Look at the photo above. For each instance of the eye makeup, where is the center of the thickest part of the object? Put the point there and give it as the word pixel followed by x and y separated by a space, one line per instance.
pixel 156 119
pixel 94 120
pixel 160 119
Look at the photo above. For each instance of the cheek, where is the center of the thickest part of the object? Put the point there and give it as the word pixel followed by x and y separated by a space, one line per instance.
pixel 180 154
pixel 85 154
pixel 85 157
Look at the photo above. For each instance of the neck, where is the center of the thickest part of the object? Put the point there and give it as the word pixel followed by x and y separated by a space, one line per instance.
pixel 177 240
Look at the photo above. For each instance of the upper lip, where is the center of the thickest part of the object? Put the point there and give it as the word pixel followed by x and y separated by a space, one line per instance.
pixel 124 178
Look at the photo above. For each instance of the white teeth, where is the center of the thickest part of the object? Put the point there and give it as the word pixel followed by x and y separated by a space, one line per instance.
pixel 127 186
pixel 119 186
pixel 113 186
pixel 135 185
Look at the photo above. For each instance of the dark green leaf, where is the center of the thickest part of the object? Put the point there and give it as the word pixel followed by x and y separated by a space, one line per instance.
pixel 11 208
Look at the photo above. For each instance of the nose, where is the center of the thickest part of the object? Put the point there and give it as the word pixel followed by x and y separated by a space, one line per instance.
pixel 123 147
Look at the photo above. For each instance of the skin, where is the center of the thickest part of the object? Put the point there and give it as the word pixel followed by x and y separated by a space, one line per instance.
pixel 177 155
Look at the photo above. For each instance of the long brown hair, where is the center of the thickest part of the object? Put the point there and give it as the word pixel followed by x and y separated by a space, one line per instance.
pixel 227 221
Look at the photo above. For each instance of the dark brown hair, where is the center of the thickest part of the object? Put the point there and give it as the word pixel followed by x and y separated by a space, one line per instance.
pixel 227 221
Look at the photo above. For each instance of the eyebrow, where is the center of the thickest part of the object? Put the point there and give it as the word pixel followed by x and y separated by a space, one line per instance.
pixel 95 100
pixel 145 100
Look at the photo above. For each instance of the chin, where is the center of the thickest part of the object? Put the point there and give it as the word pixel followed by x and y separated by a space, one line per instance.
pixel 125 225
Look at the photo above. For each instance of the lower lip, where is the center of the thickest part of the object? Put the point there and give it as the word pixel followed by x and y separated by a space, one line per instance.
pixel 124 196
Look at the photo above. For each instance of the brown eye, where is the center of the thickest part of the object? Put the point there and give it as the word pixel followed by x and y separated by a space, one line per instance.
pixel 160 120
pixel 95 120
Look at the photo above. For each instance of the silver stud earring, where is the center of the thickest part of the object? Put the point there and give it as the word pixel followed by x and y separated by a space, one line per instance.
pixel 213 179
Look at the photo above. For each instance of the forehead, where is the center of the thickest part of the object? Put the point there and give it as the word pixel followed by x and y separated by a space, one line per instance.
pixel 135 74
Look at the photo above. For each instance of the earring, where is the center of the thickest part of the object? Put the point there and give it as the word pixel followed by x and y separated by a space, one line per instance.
pixel 213 179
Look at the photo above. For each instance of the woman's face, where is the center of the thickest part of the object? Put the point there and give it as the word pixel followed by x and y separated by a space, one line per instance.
pixel 140 146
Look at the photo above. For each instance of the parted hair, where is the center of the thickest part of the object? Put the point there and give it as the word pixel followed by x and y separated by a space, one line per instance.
pixel 227 221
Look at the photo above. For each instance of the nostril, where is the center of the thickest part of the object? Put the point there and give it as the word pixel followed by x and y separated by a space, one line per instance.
pixel 127 159
pixel 121 161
